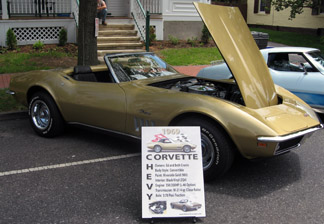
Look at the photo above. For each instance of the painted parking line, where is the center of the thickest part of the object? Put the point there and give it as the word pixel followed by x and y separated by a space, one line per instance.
pixel 63 165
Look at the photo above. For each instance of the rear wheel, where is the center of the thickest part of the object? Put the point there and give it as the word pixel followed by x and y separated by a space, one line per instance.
pixel 217 148
pixel 44 115
pixel 157 148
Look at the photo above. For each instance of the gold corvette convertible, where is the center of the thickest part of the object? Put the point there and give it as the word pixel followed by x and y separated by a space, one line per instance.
pixel 246 114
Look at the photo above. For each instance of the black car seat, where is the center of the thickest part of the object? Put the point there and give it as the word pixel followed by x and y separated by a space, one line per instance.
pixel 84 73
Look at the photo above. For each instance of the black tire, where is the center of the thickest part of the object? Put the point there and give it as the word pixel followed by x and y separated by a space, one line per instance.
pixel 44 115
pixel 186 148
pixel 157 148
pixel 184 208
pixel 217 148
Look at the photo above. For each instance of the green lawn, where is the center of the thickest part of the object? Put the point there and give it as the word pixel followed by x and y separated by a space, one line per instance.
pixel 190 56
pixel 12 62
pixel 293 39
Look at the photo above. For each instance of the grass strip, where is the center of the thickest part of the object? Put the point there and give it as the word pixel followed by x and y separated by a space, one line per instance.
pixel 190 56
pixel 13 62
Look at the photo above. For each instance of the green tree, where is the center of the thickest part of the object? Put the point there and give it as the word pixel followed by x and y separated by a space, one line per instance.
pixel 295 6
pixel 11 40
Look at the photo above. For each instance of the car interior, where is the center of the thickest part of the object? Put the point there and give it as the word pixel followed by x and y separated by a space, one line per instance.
pixel 85 74
pixel 289 62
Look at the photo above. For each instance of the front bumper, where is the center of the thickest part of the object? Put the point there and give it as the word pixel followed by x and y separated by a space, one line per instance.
pixel 287 142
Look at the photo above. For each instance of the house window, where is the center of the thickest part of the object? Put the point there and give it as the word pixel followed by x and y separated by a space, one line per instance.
pixel 321 6
pixel 262 4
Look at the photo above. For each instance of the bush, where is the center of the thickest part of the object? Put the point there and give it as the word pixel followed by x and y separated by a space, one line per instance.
pixel 62 37
pixel 193 41
pixel 38 45
pixel 322 40
pixel 11 40
pixel 205 35
pixel 174 40
pixel 152 35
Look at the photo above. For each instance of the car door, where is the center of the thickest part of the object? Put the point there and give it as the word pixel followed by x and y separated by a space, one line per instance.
pixel 97 104
pixel 294 72
pixel 281 71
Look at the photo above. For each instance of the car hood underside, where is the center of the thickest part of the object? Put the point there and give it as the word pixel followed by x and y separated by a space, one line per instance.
pixel 235 42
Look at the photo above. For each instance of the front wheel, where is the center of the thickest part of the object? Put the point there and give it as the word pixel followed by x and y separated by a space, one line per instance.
pixel 217 148
pixel 186 148
pixel 44 115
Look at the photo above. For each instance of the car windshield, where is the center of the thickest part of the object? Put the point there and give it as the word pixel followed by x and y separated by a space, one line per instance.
pixel 139 66
pixel 318 57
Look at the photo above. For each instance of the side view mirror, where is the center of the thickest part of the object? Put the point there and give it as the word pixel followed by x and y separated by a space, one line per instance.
pixel 302 66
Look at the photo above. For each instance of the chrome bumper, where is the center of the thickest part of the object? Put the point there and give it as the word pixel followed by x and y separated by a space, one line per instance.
pixel 10 92
pixel 319 110
pixel 287 142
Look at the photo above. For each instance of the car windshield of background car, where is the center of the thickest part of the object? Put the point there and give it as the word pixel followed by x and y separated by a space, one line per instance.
pixel 139 66
pixel 289 62
pixel 318 57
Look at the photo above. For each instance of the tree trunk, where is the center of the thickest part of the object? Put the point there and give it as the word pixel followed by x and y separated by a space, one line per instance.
pixel 87 42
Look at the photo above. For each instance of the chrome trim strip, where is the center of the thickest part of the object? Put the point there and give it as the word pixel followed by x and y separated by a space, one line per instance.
pixel 11 92
pixel 290 136
pixel 103 129
pixel 111 69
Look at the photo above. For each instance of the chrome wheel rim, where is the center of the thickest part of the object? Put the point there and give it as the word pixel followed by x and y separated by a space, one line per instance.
pixel 208 152
pixel 186 149
pixel 40 114
pixel 157 148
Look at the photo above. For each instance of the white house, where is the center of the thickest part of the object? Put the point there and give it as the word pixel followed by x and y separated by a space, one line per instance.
pixel 34 20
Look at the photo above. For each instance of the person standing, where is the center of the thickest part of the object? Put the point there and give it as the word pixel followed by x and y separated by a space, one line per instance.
pixel 102 11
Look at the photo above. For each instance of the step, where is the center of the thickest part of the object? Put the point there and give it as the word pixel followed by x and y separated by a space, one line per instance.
pixel 109 33
pixel 107 46
pixel 101 53
pixel 117 27
pixel 115 39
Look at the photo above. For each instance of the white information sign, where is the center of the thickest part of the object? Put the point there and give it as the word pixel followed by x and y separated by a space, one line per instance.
pixel 172 172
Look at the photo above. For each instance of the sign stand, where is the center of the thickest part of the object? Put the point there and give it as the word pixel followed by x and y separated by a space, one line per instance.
pixel 172 173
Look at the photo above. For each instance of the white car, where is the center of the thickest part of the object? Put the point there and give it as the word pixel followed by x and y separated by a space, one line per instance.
pixel 298 69
pixel 169 144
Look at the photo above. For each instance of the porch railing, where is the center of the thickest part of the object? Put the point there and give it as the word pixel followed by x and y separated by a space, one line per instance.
pixel 39 7
pixel 142 22
pixel 153 6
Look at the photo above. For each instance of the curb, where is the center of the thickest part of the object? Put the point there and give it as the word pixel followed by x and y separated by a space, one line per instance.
pixel 4 116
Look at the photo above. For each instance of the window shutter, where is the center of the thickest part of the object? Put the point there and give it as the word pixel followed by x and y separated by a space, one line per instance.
pixel 268 7
pixel 256 6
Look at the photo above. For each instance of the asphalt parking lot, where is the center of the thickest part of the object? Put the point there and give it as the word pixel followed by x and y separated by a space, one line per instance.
pixel 89 177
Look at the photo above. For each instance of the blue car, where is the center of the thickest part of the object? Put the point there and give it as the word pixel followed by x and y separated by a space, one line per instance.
pixel 298 69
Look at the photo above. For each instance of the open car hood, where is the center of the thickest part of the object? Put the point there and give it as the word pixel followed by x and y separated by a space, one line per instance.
pixel 235 42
